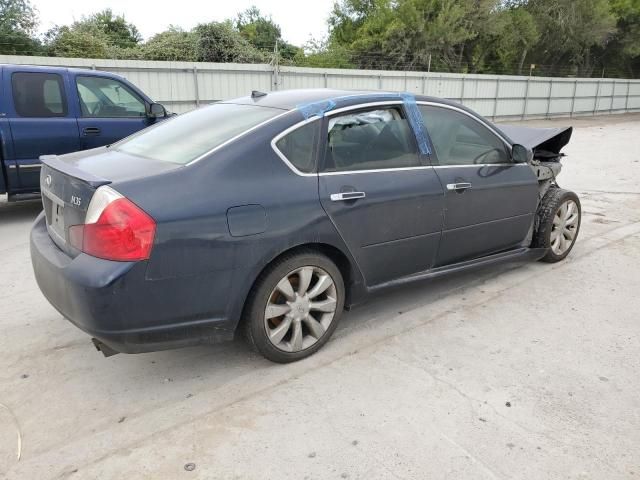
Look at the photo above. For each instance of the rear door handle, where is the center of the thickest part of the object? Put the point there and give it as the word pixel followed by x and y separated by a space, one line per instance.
pixel 458 187
pixel 341 197
pixel 90 131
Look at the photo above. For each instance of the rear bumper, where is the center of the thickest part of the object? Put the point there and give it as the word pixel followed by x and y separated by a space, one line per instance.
pixel 114 302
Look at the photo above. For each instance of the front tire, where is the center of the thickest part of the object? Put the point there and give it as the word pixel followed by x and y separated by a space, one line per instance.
pixel 559 217
pixel 294 307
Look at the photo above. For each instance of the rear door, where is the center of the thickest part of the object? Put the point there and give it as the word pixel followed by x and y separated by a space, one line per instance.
pixel 489 200
pixel 109 110
pixel 40 119
pixel 384 200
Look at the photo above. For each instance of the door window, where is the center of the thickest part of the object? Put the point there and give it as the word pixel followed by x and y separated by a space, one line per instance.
pixel 108 98
pixel 38 94
pixel 298 147
pixel 461 140
pixel 370 140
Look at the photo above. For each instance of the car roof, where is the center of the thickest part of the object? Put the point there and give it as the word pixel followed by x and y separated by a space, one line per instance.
pixel 291 99
pixel 57 69
pixel 300 98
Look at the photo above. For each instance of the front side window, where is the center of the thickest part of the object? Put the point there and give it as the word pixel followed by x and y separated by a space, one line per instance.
pixel 108 98
pixel 461 140
pixel 298 146
pixel 190 135
pixel 38 94
pixel 370 140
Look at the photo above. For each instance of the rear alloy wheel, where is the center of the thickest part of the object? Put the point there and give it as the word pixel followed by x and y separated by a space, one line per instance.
pixel 559 223
pixel 295 307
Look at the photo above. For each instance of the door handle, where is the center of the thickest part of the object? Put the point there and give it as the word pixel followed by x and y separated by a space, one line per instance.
pixel 341 197
pixel 458 187
pixel 90 131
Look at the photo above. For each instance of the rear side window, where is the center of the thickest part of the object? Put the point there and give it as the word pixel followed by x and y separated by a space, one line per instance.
pixel 191 135
pixel 370 140
pixel 38 94
pixel 298 146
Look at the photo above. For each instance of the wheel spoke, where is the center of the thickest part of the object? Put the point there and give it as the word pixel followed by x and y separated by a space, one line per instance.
pixel 557 221
pixel 324 282
pixel 563 210
pixel 285 287
pixel 571 220
pixel 555 243
pixel 296 337
pixel 571 208
pixel 304 275
pixel 569 233
pixel 554 235
pixel 276 310
pixel 326 306
pixel 315 327
pixel 277 334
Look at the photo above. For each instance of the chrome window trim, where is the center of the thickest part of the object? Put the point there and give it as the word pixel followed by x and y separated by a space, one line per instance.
pixel 377 104
pixel 376 170
pixel 275 139
pixel 481 165
pixel 233 139
pixel 286 132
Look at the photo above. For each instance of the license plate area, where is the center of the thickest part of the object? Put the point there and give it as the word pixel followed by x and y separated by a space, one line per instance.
pixel 54 211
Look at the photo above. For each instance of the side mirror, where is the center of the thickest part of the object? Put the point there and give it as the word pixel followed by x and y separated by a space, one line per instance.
pixel 156 111
pixel 521 154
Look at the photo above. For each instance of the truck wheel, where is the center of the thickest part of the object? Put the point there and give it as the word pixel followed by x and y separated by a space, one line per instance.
pixel 559 217
pixel 294 307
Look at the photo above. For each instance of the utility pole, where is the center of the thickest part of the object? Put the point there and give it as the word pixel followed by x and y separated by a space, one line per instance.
pixel 276 67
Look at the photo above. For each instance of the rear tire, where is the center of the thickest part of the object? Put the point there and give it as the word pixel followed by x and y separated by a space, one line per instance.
pixel 559 217
pixel 294 307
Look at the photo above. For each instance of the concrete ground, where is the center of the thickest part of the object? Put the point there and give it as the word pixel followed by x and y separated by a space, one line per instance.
pixel 514 372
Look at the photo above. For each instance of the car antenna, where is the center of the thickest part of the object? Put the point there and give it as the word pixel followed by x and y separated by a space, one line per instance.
pixel 257 94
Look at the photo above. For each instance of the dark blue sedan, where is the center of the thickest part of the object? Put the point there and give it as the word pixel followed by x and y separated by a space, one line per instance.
pixel 269 214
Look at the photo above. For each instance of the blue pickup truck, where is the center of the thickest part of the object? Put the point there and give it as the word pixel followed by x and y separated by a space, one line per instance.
pixel 55 110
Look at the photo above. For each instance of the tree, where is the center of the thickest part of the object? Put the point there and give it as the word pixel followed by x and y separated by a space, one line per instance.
pixel 220 42
pixel 67 41
pixel 570 32
pixel 100 35
pixel 18 21
pixel 263 33
pixel 118 31
pixel 173 44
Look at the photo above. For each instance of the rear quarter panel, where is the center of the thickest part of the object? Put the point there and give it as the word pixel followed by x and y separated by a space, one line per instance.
pixel 190 205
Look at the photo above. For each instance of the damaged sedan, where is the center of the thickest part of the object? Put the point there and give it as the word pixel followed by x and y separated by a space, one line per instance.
pixel 270 214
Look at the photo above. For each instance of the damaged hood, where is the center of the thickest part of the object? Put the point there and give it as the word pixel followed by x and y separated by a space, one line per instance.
pixel 550 140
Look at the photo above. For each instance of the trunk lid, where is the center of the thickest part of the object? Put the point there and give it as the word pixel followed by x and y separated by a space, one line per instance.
pixel 68 183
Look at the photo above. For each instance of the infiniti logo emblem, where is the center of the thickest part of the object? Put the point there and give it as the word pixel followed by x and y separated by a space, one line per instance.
pixel 47 180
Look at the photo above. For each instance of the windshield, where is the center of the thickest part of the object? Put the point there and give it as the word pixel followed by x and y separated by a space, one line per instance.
pixel 188 136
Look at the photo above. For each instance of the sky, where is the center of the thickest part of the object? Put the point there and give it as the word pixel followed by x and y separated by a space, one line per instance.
pixel 299 20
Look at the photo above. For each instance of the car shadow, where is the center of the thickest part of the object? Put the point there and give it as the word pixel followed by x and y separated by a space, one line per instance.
pixel 214 362
pixel 20 211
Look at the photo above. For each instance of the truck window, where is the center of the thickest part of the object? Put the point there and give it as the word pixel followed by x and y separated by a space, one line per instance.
pixel 38 94
pixel 108 98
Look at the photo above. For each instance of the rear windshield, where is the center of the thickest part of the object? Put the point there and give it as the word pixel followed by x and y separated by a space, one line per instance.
pixel 188 136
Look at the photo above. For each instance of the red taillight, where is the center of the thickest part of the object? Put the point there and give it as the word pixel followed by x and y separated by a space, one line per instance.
pixel 122 232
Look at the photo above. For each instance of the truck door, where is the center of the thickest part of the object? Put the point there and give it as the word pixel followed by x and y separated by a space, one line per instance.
pixel 40 119
pixel 109 110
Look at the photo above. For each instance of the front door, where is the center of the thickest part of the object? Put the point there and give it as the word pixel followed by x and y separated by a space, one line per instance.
pixel 109 111
pixel 384 201
pixel 41 122
pixel 490 201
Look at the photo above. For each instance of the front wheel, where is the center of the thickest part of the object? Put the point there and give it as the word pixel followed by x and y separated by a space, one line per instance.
pixel 559 220
pixel 294 307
